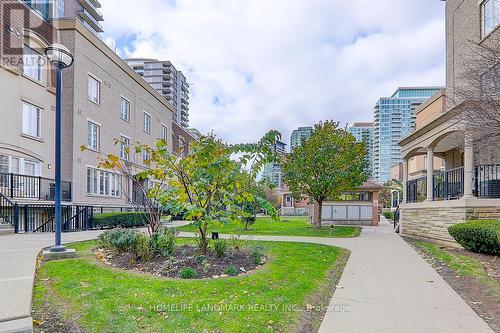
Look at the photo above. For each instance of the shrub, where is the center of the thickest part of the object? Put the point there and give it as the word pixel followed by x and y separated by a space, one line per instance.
pixel 163 241
pixel 231 270
pixel 119 219
pixel 389 215
pixel 257 254
pixel 121 240
pixel 141 248
pixel 187 273
pixel 200 259
pixel 478 236
pixel 220 248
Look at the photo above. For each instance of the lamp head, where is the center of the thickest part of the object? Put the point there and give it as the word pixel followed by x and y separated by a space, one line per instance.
pixel 59 56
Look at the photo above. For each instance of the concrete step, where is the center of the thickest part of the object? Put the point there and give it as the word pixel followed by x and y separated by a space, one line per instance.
pixel 6 229
pixel 23 325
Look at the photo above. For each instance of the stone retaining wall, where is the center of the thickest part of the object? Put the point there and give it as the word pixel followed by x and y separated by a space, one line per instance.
pixel 431 223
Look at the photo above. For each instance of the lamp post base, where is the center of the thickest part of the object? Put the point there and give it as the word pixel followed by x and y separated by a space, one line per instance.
pixel 58 253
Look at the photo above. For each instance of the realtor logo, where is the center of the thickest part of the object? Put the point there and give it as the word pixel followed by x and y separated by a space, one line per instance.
pixel 21 22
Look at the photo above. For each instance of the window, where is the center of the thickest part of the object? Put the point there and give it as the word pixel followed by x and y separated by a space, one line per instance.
pixel 32 63
pixel 94 90
pixel 125 109
pixel 31 120
pixel 93 135
pixel 146 156
pixel 124 148
pixel 103 183
pixel 147 123
pixel 164 132
pixel 490 10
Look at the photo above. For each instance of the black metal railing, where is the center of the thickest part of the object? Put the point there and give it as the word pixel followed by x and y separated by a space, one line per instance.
pixel 9 212
pixel 488 181
pixel 40 218
pixel 32 187
pixel 448 185
pixel 416 190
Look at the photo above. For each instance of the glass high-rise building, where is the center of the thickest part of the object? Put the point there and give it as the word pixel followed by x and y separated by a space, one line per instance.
pixel 299 136
pixel 168 81
pixel 394 119
pixel 365 132
pixel 272 171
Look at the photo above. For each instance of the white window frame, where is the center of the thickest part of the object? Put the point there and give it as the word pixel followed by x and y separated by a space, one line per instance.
pixel 32 64
pixel 103 183
pixel 123 154
pixel 31 127
pixel 146 155
pixel 97 99
pixel 127 116
pixel 485 33
pixel 147 124
pixel 164 132
pixel 90 145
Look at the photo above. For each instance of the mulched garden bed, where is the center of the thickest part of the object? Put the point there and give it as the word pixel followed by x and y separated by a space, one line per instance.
pixel 470 289
pixel 209 266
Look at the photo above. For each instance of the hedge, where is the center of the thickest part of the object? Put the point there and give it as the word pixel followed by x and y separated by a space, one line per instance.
pixel 389 215
pixel 478 236
pixel 119 219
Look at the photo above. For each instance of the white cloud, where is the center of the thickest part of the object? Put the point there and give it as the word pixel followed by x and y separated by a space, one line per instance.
pixel 260 64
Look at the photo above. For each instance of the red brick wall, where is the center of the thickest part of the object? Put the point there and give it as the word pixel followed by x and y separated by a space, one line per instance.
pixel 179 133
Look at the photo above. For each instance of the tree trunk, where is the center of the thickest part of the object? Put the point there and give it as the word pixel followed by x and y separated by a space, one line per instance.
pixel 203 239
pixel 320 212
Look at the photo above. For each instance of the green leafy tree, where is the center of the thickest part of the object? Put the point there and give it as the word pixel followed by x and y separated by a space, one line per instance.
pixel 257 202
pixel 329 163
pixel 209 185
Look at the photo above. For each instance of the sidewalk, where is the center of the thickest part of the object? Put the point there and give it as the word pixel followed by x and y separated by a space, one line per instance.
pixel 386 285
pixel 388 288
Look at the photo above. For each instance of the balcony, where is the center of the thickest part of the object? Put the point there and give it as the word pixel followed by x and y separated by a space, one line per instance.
pixel 31 187
pixel 91 8
pixel 449 185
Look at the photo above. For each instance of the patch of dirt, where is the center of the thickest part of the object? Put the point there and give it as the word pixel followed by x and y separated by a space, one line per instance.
pixel 49 321
pixel 318 304
pixel 470 289
pixel 209 266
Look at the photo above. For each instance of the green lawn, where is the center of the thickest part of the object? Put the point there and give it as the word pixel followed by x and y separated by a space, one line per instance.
pixel 463 265
pixel 273 298
pixel 287 226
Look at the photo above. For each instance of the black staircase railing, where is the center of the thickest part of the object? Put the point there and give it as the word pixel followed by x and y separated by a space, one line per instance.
pixel 448 185
pixel 9 212
pixel 32 187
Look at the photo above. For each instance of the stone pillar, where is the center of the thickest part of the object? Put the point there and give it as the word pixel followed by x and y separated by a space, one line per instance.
pixel 405 180
pixel 468 164
pixel 430 173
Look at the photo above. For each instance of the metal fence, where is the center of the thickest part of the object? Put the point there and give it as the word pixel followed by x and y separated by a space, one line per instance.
pixel 32 187
pixel 416 190
pixel 448 185
pixel 40 218
pixel 488 181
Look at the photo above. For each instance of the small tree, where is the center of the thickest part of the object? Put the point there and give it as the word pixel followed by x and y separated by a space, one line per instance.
pixel 327 164
pixel 257 203
pixel 207 185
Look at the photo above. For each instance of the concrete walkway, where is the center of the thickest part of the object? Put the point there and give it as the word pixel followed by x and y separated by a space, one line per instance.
pixel 386 286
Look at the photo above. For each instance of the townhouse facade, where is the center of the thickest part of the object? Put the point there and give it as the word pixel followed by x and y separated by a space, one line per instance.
pixel 106 107
pixel 469 185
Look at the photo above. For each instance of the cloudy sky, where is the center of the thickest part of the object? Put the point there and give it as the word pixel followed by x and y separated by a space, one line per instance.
pixel 256 65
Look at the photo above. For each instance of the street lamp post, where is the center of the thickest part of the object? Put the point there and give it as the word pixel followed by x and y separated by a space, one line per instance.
pixel 60 57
